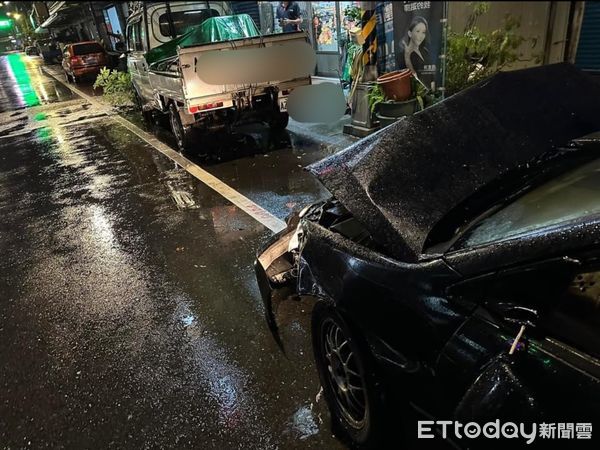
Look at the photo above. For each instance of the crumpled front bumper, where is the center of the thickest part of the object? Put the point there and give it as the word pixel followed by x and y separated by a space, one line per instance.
pixel 275 266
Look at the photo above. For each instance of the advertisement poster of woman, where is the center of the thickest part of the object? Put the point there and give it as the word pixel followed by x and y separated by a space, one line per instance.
pixel 416 54
pixel 421 40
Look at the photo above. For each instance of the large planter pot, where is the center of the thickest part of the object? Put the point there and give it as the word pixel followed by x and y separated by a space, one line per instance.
pixel 397 109
pixel 384 121
pixel 390 111
pixel 396 85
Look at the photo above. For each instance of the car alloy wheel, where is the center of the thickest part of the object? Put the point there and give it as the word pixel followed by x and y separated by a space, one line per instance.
pixel 349 377
pixel 345 378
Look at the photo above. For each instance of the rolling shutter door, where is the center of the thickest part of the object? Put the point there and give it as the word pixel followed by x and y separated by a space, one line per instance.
pixel 588 49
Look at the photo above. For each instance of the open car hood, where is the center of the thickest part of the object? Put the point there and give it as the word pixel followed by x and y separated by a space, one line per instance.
pixel 400 181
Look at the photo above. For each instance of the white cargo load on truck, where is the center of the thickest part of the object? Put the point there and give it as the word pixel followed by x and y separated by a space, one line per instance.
pixel 186 83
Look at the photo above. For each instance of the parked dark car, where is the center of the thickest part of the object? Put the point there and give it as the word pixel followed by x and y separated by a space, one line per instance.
pixel 83 58
pixel 456 268
pixel 49 50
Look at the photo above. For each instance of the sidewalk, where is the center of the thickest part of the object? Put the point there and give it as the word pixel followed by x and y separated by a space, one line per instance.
pixel 330 134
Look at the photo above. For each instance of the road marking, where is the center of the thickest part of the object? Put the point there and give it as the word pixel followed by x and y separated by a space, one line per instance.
pixel 244 203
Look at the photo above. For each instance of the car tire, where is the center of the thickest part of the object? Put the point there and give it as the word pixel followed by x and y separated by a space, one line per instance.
pixel 352 389
pixel 183 134
pixel 279 121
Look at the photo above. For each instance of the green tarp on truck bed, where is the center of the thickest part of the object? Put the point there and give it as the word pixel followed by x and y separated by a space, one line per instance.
pixel 214 29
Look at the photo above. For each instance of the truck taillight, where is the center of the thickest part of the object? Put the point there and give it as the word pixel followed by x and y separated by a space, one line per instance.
pixel 75 60
pixel 195 109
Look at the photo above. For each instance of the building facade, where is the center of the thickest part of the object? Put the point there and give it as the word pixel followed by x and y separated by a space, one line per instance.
pixel 80 21
pixel 561 31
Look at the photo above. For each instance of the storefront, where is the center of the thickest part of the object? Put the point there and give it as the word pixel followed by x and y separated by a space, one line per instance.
pixel 327 24
pixel 113 22
pixel 331 23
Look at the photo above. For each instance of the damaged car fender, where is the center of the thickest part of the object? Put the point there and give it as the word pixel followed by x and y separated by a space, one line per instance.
pixel 389 302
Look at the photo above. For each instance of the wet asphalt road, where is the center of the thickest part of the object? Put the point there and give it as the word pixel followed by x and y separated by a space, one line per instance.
pixel 129 312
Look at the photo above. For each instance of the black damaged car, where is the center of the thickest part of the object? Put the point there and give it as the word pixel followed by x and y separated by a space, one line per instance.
pixel 456 267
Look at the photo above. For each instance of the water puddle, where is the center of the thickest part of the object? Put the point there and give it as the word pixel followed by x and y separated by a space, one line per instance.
pixel 42 117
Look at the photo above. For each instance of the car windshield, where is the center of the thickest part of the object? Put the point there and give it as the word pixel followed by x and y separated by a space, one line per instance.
pixel 572 195
pixel 86 49
pixel 183 20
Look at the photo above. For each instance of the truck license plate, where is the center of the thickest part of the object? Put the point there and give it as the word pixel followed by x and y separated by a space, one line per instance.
pixel 283 104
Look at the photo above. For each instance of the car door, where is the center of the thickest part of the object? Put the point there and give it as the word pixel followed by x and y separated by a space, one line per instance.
pixel 136 61
pixel 529 352
pixel 132 55
pixel 530 349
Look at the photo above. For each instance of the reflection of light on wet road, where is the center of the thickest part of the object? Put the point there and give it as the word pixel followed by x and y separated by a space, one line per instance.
pixel 181 352
pixel 102 228
pixel 38 81
pixel 112 259
pixel 22 82
pixel 42 89
pixel 303 423
pixel 226 381
pixel 64 151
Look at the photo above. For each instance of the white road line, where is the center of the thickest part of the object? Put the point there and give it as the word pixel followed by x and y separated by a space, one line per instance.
pixel 245 204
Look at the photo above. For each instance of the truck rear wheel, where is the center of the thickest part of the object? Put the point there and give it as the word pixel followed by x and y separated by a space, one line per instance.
pixel 183 134
pixel 279 121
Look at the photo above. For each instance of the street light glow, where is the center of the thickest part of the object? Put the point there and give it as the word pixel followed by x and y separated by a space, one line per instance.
pixel 17 16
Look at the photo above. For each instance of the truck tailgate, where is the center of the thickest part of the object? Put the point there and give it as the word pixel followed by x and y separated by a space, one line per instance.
pixel 196 90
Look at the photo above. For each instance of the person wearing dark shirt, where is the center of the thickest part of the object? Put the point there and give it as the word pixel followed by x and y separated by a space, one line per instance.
pixel 288 14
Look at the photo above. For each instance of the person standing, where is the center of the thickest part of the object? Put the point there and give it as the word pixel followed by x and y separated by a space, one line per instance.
pixel 288 14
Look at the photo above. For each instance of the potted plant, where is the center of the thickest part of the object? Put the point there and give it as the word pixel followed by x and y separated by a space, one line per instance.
pixel 396 85
pixel 388 110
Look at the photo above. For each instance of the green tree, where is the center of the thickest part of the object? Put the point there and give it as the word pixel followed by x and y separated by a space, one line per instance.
pixel 474 54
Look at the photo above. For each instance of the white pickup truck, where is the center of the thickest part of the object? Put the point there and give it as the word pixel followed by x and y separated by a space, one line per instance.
pixel 172 85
